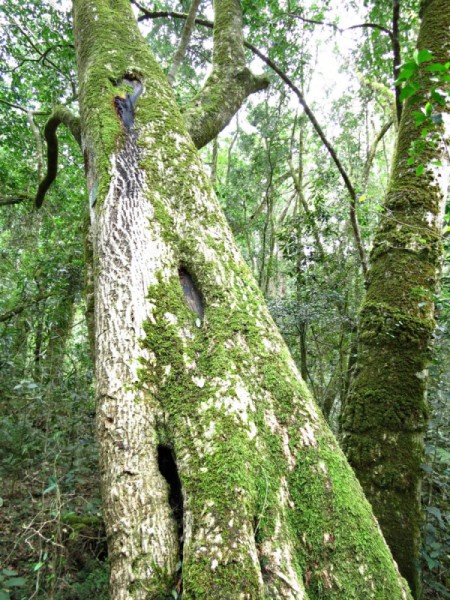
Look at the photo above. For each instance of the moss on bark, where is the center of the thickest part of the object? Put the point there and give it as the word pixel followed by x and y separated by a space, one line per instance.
pixel 271 508
pixel 386 412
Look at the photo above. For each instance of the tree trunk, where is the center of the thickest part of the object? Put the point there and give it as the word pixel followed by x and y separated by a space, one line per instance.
pixel 61 325
pixel 213 457
pixel 385 414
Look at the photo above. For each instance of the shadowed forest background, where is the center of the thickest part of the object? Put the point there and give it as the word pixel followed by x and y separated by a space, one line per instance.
pixel 301 172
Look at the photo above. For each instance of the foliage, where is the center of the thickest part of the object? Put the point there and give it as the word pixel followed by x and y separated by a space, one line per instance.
pixel 302 254
pixel 429 117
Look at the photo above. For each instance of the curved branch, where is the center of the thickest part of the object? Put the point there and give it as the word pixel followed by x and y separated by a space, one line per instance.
pixel 25 110
pixel 164 14
pixel 43 55
pixel 343 29
pixel 60 115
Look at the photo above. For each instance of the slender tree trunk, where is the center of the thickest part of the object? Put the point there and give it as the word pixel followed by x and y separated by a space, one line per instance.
pixel 213 457
pixel 59 331
pixel 386 413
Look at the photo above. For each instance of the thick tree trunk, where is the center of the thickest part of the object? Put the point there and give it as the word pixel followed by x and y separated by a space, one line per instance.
pixel 213 456
pixel 385 414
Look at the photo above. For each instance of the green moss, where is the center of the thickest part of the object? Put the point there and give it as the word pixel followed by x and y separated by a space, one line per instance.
pixel 295 492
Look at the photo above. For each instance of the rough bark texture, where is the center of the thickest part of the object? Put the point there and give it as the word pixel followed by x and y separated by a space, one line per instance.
pixel 386 412
pixel 269 506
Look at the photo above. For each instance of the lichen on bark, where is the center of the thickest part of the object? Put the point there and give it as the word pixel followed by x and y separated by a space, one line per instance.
pixel 270 507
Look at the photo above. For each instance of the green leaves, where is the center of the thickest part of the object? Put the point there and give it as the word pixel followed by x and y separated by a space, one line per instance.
pixel 9 580
pixel 430 88
pixel 409 90
pixel 407 71
pixel 421 56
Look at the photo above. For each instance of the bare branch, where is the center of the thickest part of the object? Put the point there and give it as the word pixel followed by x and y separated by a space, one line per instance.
pixel 21 108
pixel 397 55
pixel 185 37
pixel 304 203
pixel 343 29
pixel 17 199
pixel 43 55
pixel 37 137
pixel 373 150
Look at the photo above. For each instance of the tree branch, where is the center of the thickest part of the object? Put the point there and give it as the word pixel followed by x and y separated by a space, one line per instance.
pixel 351 190
pixel 6 316
pixel 372 151
pixel 395 39
pixel 17 199
pixel 21 108
pixel 185 37
pixel 230 81
pixel 301 196
pixel 342 30
pixel 60 115
pixel 37 137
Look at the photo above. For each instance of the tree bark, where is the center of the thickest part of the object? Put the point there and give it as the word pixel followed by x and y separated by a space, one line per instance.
pixel 213 457
pixel 386 412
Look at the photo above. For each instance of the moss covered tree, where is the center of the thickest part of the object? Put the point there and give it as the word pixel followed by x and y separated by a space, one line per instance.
pixel 385 415
pixel 220 478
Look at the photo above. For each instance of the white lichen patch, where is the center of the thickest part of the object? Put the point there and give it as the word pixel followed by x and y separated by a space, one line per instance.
pixel 270 345
pixel 291 462
pixel 271 420
pixel 422 375
pixel 252 430
pixel 199 381
pixel 170 318
pixel 237 405
pixel 189 362
pixel 307 435
pixel 210 431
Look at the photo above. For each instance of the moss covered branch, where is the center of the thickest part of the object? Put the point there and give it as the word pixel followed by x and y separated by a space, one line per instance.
pixel 230 82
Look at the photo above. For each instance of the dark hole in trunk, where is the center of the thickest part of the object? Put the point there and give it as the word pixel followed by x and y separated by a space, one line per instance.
pixel 191 293
pixel 169 471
